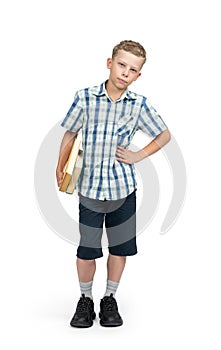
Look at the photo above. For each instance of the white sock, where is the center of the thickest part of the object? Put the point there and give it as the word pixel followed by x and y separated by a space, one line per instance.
pixel 86 288
pixel 111 288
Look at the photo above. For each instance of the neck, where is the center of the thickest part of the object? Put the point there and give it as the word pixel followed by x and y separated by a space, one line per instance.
pixel 113 92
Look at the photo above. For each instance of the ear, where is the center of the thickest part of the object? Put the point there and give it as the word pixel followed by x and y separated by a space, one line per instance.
pixel 138 75
pixel 109 62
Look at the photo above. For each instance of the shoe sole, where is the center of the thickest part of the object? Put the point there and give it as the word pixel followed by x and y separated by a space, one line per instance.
pixel 103 324
pixel 110 324
pixel 81 325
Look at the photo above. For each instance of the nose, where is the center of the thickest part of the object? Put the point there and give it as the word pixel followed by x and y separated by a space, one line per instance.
pixel 126 72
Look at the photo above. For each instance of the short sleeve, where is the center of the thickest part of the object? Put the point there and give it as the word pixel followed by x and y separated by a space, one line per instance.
pixel 74 118
pixel 150 122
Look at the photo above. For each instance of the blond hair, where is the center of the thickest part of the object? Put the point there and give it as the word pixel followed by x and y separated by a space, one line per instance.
pixel 130 46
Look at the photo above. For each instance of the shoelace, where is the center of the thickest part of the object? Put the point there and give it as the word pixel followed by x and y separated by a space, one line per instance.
pixel 109 303
pixel 82 304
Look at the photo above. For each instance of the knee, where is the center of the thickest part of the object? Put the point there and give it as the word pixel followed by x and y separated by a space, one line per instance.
pixel 85 262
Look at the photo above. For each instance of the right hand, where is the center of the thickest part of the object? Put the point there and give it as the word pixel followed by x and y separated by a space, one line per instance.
pixel 59 176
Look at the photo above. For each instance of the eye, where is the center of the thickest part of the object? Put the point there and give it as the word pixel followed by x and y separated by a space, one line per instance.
pixel 133 70
pixel 121 64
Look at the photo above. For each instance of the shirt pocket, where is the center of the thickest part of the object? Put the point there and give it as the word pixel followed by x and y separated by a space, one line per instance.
pixel 126 125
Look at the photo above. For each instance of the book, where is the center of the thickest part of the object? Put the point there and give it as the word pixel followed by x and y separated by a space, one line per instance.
pixel 76 173
pixel 72 168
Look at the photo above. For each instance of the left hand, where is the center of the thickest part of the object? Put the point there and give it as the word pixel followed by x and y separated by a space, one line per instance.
pixel 129 157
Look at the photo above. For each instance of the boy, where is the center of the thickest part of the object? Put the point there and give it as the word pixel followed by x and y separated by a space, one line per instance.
pixel 109 115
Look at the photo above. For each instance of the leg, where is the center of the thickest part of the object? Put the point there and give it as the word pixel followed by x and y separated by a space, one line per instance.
pixel 109 315
pixel 115 267
pixel 121 232
pixel 89 249
pixel 86 270
pixel 85 314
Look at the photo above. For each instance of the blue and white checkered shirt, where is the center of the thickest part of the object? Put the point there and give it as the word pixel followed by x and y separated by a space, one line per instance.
pixel 105 125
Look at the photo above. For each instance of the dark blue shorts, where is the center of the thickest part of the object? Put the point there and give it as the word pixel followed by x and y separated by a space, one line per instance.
pixel 119 219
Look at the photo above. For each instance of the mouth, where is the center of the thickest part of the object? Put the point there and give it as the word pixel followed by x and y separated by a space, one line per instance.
pixel 122 81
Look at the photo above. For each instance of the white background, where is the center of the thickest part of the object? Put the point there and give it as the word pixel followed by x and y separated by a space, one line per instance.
pixel 169 295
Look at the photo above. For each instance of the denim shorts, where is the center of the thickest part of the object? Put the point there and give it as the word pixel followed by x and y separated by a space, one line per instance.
pixel 119 219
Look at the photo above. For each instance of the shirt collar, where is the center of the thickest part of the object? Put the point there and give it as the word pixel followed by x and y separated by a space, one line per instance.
pixel 101 91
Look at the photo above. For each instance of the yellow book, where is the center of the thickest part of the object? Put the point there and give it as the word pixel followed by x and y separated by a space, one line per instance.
pixel 76 173
pixel 72 168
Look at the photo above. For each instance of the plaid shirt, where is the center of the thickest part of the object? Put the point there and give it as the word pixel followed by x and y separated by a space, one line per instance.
pixel 105 125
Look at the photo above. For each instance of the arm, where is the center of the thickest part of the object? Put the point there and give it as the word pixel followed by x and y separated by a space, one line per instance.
pixel 130 157
pixel 65 149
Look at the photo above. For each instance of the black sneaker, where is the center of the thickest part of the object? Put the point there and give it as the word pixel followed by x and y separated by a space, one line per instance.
pixel 84 315
pixel 109 315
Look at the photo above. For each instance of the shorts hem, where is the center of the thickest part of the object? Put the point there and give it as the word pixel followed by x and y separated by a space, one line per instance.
pixel 89 258
pixel 123 254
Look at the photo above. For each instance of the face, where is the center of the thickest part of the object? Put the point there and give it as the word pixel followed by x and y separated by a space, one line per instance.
pixel 124 69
